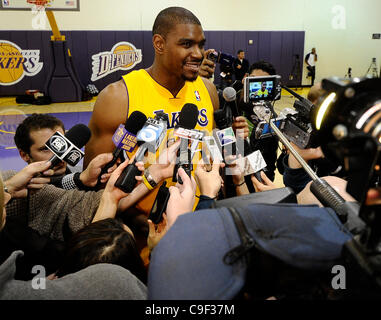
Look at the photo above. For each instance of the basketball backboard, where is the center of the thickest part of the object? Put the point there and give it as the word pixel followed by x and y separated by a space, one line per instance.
pixel 55 5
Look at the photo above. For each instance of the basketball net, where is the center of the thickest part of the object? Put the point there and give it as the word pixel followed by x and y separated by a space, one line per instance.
pixel 40 6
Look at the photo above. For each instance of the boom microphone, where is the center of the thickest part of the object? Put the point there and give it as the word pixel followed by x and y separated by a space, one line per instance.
pixel 149 139
pixel 68 148
pixel 123 138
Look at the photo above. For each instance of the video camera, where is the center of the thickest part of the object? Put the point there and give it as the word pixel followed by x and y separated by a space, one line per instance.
pixel 223 59
pixel 297 126
pixel 347 121
pixel 260 92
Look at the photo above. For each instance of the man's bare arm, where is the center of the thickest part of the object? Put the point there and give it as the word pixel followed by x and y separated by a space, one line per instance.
pixel 213 95
pixel 110 110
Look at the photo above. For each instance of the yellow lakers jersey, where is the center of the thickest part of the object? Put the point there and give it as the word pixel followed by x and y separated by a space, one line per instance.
pixel 147 96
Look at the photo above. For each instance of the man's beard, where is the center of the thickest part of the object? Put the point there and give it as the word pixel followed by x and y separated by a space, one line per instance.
pixel 191 79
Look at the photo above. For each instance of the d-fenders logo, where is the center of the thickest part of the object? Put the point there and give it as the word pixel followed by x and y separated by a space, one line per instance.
pixel 123 56
pixel 16 63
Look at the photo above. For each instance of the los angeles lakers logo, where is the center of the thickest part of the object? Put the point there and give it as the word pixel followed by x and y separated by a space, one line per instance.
pixel 123 56
pixel 16 63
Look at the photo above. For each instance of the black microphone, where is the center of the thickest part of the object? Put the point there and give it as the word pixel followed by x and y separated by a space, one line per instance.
pixel 134 123
pixel 187 120
pixel 149 139
pixel 237 85
pixel 66 148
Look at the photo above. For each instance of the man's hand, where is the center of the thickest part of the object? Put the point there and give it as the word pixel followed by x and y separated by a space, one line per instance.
pixel 156 232
pixel 207 67
pixel 112 195
pixel 182 197
pixel 25 179
pixel 267 185
pixel 241 127
pixel 306 154
pixel 165 165
pixel 89 177
pixel 209 182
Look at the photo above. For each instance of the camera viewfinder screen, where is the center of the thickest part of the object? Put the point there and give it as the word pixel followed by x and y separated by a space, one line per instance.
pixel 260 90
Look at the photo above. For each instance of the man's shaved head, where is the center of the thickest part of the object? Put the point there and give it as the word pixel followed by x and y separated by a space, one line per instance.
pixel 169 17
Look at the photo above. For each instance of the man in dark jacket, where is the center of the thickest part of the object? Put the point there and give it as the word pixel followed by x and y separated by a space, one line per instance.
pixel 241 65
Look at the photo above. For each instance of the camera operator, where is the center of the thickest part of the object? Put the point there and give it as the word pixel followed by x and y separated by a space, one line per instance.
pixel 241 66
pixel 294 176
pixel 267 146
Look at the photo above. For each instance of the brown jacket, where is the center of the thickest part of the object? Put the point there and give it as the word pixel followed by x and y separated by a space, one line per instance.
pixel 48 208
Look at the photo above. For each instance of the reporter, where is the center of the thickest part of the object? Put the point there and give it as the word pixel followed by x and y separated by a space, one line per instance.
pixel 18 185
pixel 209 182
pixel 207 66
pixel 295 177
pixel 182 197
pixel 267 146
pixel 104 241
pixel 109 240
pixel 87 179
pixel 340 185
pixel 103 281
pixel 283 251
pixel 266 186
pixel 159 171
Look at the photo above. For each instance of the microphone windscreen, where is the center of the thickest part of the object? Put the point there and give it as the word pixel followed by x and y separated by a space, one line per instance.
pixel 188 116
pixel 79 135
pixel 229 94
pixel 135 122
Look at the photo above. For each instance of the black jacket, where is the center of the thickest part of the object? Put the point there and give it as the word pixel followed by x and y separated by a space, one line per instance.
pixel 239 73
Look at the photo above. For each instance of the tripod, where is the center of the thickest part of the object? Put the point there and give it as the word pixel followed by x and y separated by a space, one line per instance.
pixel 296 72
pixel 349 73
pixel 373 69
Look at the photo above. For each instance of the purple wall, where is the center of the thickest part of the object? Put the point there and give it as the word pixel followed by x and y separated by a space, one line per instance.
pixel 277 47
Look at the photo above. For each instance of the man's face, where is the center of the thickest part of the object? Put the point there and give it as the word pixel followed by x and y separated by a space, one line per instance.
pixel 184 51
pixel 241 55
pixel 263 86
pixel 38 150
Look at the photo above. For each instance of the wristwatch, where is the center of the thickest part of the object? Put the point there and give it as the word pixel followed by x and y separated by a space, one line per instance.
pixel 149 178
pixel 6 189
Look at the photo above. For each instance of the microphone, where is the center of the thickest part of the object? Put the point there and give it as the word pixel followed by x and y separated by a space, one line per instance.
pixel 187 121
pixel 68 147
pixel 230 95
pixel 149 139
pixel 237 85
pixel 125 138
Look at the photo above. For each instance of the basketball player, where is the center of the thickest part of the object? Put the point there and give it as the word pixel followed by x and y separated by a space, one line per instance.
pixel 170 82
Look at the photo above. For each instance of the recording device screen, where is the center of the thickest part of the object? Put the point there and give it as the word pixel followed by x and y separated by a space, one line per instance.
pixel 262 88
